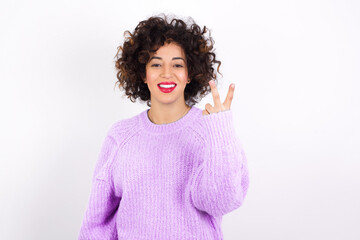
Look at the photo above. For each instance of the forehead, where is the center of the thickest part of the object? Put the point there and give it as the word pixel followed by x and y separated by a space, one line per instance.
pixel 170 49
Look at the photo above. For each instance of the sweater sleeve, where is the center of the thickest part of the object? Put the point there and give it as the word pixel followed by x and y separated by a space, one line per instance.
pixel 100 216
pixel 221 181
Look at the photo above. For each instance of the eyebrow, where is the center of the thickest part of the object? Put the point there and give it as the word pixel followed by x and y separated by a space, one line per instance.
pixel 174 58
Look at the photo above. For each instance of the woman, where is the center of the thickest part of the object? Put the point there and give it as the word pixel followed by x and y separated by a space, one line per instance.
pixel 174 170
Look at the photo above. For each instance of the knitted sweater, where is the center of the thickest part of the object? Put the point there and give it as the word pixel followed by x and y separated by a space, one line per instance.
pixel 166 181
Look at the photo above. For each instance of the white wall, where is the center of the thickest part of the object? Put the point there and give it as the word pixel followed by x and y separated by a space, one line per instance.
pixel 296 69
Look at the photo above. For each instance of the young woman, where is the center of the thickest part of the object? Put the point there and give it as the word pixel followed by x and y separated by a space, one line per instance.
pixel 174 170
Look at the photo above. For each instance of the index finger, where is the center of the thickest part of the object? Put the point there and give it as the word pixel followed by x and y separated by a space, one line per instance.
pixel 215 94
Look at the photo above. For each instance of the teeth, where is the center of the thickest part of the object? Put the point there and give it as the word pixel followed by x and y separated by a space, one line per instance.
pixel 167 85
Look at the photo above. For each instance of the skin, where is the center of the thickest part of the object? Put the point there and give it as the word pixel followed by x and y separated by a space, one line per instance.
pixel 169 64
pixel 218 106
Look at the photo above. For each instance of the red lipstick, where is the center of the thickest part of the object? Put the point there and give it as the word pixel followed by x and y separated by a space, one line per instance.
pixel 166 87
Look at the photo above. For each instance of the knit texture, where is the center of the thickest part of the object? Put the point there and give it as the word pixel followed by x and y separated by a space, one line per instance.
pixel 170 181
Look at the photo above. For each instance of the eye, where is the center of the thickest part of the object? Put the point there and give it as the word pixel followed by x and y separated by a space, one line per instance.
pixel 178 65
pixel 155 65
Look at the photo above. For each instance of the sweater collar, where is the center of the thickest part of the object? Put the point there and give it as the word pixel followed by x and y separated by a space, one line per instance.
pixel 151 127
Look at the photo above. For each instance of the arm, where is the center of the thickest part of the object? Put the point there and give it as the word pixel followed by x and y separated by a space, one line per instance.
pixel 100 216
pixel 220 183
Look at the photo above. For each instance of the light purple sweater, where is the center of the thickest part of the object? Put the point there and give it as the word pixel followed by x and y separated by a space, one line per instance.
pixel 170 181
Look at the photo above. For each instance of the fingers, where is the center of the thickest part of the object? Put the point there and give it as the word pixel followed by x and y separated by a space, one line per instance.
pixel 210 109
pixel 215 94
pixel 218 106
pixel 205 112
pixel 229 96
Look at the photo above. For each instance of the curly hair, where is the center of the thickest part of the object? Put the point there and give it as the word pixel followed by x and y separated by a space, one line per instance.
pixel 148 36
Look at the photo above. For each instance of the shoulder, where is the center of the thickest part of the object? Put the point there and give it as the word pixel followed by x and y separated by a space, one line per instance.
pixel 197 125
pixel 121 130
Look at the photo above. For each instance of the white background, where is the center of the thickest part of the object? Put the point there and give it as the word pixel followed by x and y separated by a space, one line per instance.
pixel 295 65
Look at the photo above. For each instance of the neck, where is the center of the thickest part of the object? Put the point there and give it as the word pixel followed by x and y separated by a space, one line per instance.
pixel 167 114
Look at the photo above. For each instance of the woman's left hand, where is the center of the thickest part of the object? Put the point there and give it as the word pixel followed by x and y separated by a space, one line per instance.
pixel 219 107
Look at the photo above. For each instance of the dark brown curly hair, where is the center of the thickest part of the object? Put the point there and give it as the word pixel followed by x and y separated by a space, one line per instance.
pixel 148 36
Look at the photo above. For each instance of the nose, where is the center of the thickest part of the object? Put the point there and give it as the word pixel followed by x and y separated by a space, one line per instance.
pixel 166 71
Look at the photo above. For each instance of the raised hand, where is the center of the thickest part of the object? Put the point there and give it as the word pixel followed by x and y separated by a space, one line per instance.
pixel 218 106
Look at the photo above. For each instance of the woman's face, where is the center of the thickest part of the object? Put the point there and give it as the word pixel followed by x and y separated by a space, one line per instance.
pixel 168 66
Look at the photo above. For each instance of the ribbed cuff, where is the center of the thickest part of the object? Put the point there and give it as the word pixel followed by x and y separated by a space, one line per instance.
pixel 220 128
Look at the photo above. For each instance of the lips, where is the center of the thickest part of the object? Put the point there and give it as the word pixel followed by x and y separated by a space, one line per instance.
pixel 166 89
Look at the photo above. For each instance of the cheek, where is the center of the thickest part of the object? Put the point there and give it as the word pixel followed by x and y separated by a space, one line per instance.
pixel 150 76
pixel 183 76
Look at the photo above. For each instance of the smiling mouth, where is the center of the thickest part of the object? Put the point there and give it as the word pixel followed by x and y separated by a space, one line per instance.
pixel 166 88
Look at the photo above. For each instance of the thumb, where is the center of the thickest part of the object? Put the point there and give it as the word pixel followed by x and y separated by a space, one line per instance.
pixel 204 112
